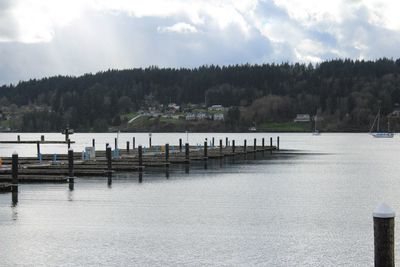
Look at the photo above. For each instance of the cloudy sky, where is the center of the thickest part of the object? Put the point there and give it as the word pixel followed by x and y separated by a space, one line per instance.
pixel 70 37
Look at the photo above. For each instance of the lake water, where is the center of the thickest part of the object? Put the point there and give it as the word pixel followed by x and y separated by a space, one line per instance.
pixel 312 208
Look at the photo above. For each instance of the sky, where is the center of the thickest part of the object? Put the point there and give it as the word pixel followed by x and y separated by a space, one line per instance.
pixel 40 38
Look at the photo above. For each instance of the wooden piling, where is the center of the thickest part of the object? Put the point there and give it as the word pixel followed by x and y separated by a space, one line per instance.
pixel 263 143
pixel 383 217
pixel 245 146
pixel 212 142
pixel 255 145
pixel 109 160
pixel 166 152
pixel 277 143
pixel 115 143
pixel 149 140
pixel 180 144
pixel 187 159
pixel 270 145
pixel 38 148
pixel 133 143
pixel 205 150
pixel 233 147
pixel 109 165
pixel 70 163
pixel 14 178
pixel 71 169
pixel 140 157
pixel 127 147
pixel 226 142
pixel 94 143
pixel 220 147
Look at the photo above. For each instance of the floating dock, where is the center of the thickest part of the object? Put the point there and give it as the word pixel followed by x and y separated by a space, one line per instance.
pixel 59 168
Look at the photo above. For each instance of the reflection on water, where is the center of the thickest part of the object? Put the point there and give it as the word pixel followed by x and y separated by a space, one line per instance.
pixel 307 208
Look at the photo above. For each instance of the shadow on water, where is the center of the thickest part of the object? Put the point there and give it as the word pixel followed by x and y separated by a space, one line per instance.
pixel 210 166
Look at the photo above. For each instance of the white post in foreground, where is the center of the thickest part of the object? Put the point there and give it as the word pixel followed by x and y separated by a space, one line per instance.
pixel 384 235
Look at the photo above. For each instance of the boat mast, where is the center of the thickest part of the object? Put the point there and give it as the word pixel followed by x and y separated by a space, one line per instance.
pixel 379 115
pixel 315 123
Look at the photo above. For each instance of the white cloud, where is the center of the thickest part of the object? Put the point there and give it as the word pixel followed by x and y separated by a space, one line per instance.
pixel 77 36
pixel 180 27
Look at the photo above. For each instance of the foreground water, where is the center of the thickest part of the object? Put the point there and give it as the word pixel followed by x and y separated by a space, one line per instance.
pixel 312 209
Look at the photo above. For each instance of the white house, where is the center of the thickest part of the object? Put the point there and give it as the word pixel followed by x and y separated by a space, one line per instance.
pixel 191 116
pixel 218 117
pixel 216 108
pixel 302 118
pixel 201 116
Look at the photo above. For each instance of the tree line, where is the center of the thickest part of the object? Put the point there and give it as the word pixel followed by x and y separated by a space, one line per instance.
pixel 346 93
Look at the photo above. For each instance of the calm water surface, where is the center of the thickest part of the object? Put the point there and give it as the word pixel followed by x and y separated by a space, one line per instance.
pixel 309 209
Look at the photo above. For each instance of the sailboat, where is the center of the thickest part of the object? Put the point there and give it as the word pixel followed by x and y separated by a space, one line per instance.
pixel 378 133
pixel 316 132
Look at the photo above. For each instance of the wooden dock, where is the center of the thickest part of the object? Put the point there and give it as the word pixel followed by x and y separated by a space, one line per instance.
pixel 136 159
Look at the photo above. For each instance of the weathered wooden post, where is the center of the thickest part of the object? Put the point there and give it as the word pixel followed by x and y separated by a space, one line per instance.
pixel 18 138
pixel 384 235
pixel 14 178
pixel 149 140
pixel 277 143
pixel 212 142
pixel 233 147
pixel 42 138
pixel 180 144
pixel 69 143
pixel 71 169
pixel 205 150
pixel 226 142
pixel 133 143
pixel 220 147
pixel 167 152
pixel 255 145
pixel 187 158
pixel 167 161
pixel 115 143
pixel 94 143
pixel 245 146
pixel 109 164
pixel 127 147
pixel 263 143
pixel 270 145
pixel 38 149
pixel 140 158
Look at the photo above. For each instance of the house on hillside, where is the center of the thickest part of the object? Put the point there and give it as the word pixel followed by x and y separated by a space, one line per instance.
pixel 190 116
pixel 218 117
pixel 396 112
pixel 173 108
pixel 302 118
pixel 216 108
pixel 202 116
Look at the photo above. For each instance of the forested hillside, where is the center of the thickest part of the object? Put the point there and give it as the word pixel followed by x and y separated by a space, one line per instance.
pixel 345 93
